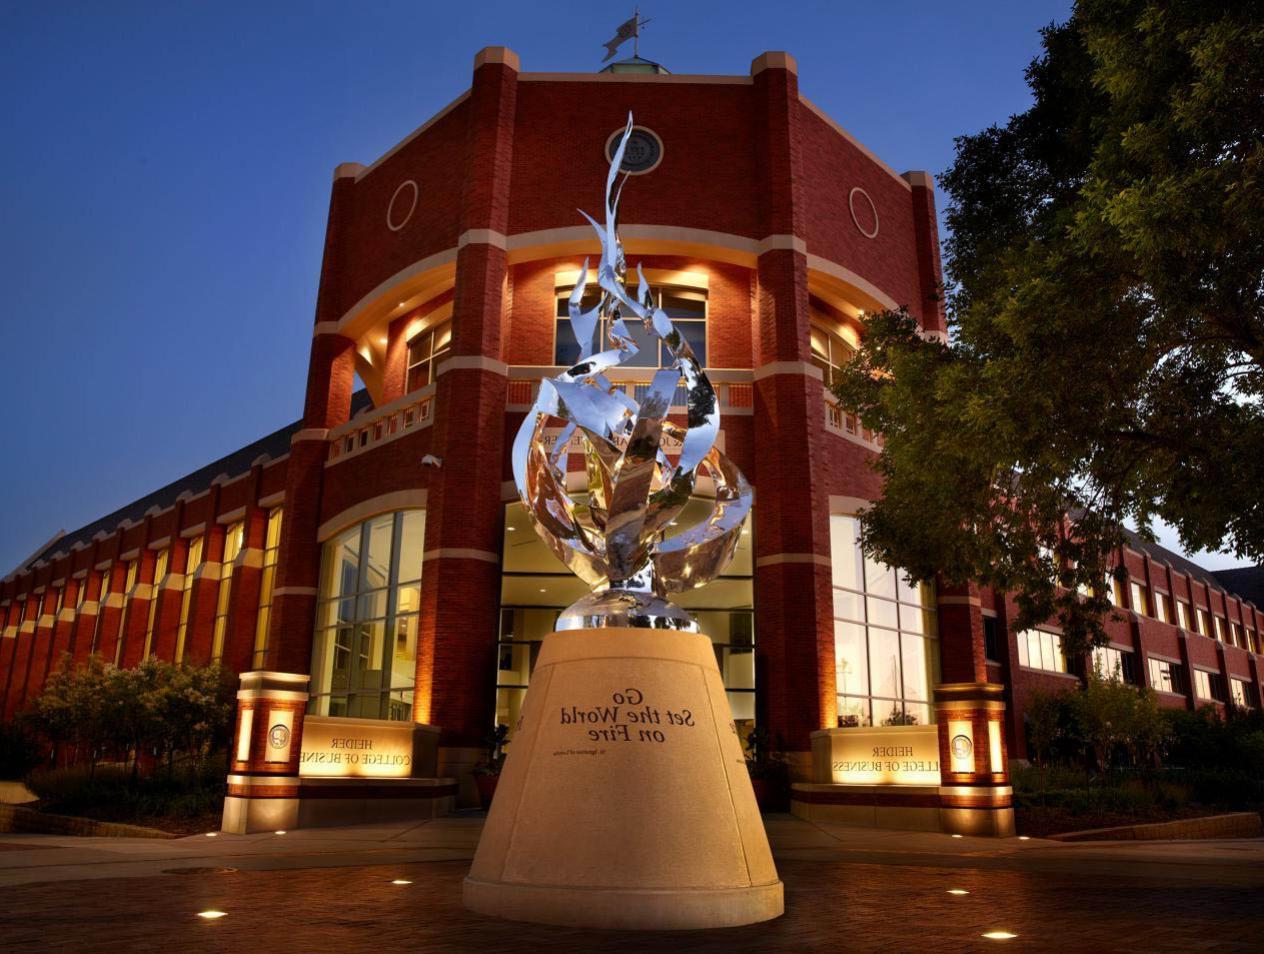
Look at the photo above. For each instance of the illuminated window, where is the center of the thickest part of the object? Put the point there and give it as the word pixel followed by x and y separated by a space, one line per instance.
pixel 1114 664
pixel 161 565
pixel 1038 649
pixel 686 307
pixel 192 563
pixel 1241 695
pixel 103 596
pixel 1140 603
pixel 364 656
pixel 232 547
pixel 1221 629
pixel 271 546
pixel 60 602
pixel 1162 607
pixel 1183 618
pixel 1114 591
pixel 1204 622
pixel 1209 685
pixel 1235 633
pixel 830 351
pixel 886 648
pixel 1166 676
pixel 425 351
pixel 536 587
pixel 82 593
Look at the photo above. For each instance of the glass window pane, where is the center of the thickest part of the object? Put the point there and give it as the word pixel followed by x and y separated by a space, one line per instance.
pixel 879 579
pixel 372 605
pixel 1024 651
pixel 851 664
pixel 884 663
pixel 881 612
pixel 374 572
pixel 848 605
pixel 411 545
pixel 853 711
pixel 916 668
pixel 845 552
pixel 695 332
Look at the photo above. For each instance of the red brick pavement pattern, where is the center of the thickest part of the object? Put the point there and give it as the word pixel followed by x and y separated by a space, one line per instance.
pixel 831 906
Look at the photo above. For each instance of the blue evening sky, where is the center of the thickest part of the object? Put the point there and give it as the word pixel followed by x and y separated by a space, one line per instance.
pixel 165 171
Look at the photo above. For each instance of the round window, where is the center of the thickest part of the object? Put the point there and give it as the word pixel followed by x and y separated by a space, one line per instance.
pixel 644 151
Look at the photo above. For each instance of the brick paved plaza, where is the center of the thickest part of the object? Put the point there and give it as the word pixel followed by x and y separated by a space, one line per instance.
pixel 846 889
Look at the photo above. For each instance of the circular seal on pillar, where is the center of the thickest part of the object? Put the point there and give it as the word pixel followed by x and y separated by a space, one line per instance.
pixel 643 154
pixel 400 209
pixel 279 736
pixel 867 220
pixel 961 746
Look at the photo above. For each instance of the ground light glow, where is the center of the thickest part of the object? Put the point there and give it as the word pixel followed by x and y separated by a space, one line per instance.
pixel 281 832
pixel 401 881
pixel 211 834
pixel 999 935
pixel 1024 837
pixel 958 836
pixel 958 891
pixel 211 915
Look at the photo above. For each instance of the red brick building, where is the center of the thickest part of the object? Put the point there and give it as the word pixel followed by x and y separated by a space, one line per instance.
pixel 377 544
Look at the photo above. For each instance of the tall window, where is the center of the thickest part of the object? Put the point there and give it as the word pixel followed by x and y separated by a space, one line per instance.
pixel 1114 664
pixel 1140 603
pixel 1167 676
pixel 1040 650
pixel 161 565
pixel 686 307
pixel 1162 607
pixel 232 547
pixel 425 351
pixel 193 561
pixel 830 351
pixel 1183 618
pixel 364 657
pixel 1209 685
pixel 536 587
pixel 271 546
pixel 103 597
pixel 1204 622
pixel 886 653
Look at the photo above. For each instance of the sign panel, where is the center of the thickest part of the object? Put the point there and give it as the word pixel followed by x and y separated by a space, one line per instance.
pixel 883 755
pixel 356 748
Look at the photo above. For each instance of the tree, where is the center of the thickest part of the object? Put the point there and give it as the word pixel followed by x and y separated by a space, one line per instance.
pixel 1105 290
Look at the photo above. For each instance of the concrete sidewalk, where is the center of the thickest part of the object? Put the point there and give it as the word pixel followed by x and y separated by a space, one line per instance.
pixel 35 859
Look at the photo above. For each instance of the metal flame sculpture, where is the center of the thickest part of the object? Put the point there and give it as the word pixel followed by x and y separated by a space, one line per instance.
pixel 614 536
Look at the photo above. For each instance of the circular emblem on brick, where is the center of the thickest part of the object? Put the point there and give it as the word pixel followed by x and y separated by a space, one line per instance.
pixel 401 206
pixel 644 151
pixel 961 747
pixel 863 212
pixel 279 736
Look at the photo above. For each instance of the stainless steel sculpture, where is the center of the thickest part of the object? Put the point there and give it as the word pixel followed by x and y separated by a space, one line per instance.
pixel 614 534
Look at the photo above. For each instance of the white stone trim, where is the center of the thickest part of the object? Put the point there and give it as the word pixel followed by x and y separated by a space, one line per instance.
pixel 310 434
pixel 497 54
pixel 697 79
pixel 412 499
pixel 781 242
pixel 775 559
pixel 774 60
pixel 272 500
pixel 788 367
pixel 294 591
pixel 481 237
pixel 472 362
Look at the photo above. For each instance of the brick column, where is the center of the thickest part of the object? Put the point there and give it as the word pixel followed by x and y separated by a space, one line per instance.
pixel 8 653
pixel 926 236
pixel 264 760
pixel 330 382
pixel 203 597
pixel 86 617
pixel 40 646
pixel 963 653
pixel 243 598
pixel 109 611
pixel 167 616
pixel 64 625
pixel 793 601
pixel 975 794
pixel 460 583
pixel 136 612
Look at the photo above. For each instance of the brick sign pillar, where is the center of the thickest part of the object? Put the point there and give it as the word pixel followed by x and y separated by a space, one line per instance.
pixel 975 794
pixel 264 755
pixel 460 581
pixel 794 623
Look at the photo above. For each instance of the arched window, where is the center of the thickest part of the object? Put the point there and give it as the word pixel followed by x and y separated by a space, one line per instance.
pixel 364 656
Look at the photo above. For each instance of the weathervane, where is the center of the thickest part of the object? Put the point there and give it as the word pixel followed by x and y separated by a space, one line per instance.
pixel 630 30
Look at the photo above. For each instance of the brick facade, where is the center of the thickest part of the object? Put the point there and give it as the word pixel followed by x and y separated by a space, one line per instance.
pixel 473 216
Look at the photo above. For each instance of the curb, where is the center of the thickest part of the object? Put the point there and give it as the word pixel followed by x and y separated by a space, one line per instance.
pixel 1235 825
pixel 15 819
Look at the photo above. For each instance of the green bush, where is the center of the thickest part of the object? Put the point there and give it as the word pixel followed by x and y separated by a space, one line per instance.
pixel 20 751
pixel 110 793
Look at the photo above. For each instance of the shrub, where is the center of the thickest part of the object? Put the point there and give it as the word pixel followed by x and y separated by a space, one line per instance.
pixel 110 793
pixel 19 750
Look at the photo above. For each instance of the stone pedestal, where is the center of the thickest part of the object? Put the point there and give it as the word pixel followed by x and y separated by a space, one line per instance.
pixel 625 801
pixel 976 797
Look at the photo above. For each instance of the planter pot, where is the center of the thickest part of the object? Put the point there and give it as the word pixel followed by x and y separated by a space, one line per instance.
pixel 486 789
